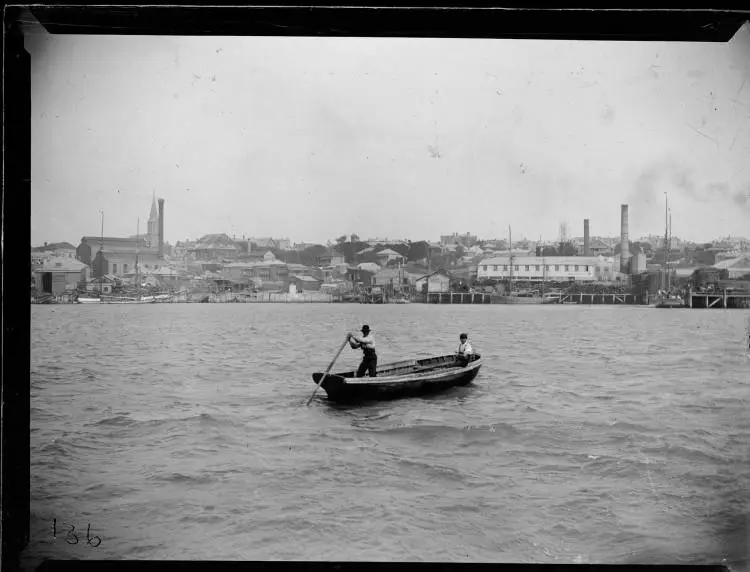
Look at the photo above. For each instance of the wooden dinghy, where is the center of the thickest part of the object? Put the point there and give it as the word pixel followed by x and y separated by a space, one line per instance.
pixel 400 379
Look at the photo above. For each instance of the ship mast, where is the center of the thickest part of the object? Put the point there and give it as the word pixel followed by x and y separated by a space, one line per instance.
pixel 544 273
pixel 666 237
pixel 137 244
pixel 101 254
pixel 510 260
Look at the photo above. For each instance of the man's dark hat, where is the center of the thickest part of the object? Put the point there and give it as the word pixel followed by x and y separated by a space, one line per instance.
pixel 365 328
pixel 463 336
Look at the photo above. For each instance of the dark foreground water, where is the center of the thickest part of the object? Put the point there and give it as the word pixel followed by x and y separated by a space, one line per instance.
pixel 592 434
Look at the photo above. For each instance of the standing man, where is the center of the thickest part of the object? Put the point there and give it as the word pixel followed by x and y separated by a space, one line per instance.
pixel 369 358
pixel 463 355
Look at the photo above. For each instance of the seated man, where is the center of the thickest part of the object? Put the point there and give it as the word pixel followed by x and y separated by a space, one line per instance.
pixel 464 353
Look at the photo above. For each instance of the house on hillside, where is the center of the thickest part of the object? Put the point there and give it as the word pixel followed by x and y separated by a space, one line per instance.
pixel 267 242
pixel 56 250
pixel 335 258
pixel 388 255
pixel 215 247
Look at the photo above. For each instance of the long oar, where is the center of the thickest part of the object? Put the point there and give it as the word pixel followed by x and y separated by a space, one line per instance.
pixel 346 339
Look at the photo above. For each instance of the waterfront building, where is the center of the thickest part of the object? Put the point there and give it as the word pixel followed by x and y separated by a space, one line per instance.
pixel 438 281
pixel 552 268
pixel 58 275
pixel 124 262
pixel 736 267
pixel 305 283
pixel 89 248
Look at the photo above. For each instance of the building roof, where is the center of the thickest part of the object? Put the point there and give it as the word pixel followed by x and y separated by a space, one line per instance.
pixel 305 278
pixel 263 241
pixel 54 246
pixel 740 262
pixel 114 242
pixel 547 260
pixel 240 265
pixel 441 271
pixel 61 265
pixel 129 257
pixel 369 266
pixel 164 271
pixel 598 244
pixel 219 240
pixel 389 252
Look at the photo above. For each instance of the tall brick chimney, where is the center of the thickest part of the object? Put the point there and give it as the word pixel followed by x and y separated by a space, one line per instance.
pixel 586 240
pixel 161 228
pixel 624 243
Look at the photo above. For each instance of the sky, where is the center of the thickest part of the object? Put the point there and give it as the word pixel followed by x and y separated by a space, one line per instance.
pixel 312 138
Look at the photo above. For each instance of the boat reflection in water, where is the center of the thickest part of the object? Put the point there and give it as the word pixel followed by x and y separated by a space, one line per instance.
pixel 401 379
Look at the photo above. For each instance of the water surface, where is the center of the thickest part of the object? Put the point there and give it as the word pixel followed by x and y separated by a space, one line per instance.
pixel 601 434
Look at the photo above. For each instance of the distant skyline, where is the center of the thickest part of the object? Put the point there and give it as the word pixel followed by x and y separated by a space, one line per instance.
pixel 312 138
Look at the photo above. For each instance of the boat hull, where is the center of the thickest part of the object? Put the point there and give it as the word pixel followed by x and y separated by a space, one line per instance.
pixel 398 380
pixel 669 303
pixel 525 300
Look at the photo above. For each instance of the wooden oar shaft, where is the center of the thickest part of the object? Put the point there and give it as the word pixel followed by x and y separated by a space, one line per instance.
pixel 346 339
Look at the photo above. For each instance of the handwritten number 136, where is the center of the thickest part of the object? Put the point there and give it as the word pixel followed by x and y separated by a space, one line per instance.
pixel 72 536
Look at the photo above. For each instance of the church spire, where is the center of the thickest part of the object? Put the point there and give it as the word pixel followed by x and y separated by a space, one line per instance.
pixel 153 215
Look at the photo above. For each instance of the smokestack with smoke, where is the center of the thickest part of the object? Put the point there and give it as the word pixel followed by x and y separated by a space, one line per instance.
pixel 586 240
pixel 161 228
pixel 624 245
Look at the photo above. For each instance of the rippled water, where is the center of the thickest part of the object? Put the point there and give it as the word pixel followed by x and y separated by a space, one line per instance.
pixel 592 434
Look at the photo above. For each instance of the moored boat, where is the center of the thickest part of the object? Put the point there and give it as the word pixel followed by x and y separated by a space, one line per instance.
pixel 401 379
pixel 669 302
pixel 526 300
pixel 88 300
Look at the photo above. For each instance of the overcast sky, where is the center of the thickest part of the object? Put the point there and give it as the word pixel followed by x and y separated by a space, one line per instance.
pixel 311 138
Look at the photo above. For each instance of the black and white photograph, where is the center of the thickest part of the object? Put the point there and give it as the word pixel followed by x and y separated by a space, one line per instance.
pixel 364 298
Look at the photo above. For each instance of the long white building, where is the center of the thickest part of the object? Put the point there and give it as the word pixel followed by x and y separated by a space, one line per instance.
pixel 553 268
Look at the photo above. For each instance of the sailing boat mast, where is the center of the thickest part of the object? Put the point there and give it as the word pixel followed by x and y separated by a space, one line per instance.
pixel 101 255
pixel 666 237
pixel 544 272
pixel 137 244
pixel 510 260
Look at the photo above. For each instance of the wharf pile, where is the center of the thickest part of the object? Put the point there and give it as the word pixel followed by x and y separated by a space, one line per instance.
pixel 489 298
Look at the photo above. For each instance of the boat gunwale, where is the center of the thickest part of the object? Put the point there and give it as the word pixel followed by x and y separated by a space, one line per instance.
pixel 431 374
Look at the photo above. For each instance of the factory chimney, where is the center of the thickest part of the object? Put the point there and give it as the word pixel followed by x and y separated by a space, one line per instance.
pixel 624 244
pixel 161 228
pixel 586 240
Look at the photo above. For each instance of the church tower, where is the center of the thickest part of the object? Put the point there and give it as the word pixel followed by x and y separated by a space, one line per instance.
pixel 152 232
